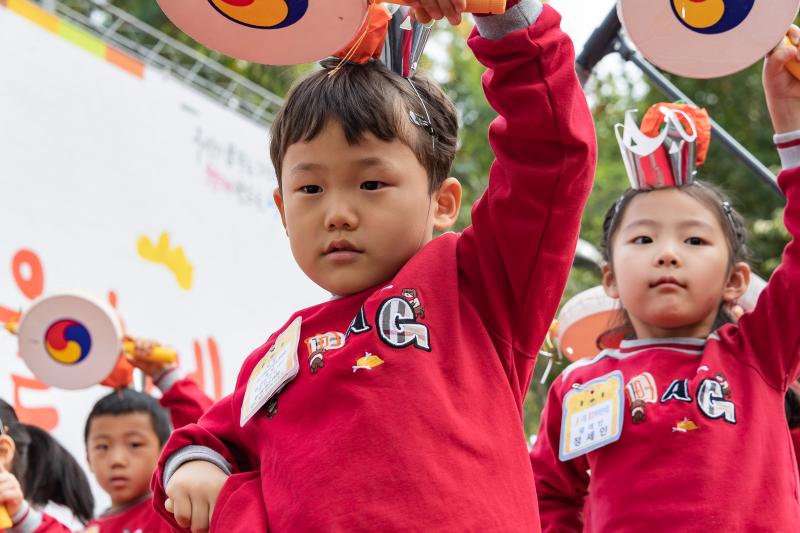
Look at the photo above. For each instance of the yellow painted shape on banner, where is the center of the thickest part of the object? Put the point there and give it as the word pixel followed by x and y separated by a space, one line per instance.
pixel 173 258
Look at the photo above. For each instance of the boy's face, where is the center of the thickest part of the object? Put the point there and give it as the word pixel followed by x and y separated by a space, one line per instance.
pixel 355 214
pixel 122 451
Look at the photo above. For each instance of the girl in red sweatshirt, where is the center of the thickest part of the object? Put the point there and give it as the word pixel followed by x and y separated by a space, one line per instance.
pixel 682 428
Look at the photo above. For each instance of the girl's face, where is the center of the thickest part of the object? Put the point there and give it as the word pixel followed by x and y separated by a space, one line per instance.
pixel 670 266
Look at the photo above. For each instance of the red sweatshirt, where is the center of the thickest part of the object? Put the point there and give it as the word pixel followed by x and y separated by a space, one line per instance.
pixel 414 419
pixel 704 444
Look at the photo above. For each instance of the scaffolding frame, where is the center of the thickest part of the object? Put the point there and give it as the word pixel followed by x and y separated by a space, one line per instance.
pixel 156 49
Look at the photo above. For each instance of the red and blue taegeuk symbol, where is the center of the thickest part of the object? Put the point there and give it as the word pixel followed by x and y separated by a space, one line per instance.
pixel 263 14
pixel 68 341
pixel 712 17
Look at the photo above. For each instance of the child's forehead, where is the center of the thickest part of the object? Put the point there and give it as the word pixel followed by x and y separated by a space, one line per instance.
pixel 111 425
pixel 668 205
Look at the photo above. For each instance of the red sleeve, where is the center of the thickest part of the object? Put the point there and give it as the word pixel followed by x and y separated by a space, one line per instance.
pixel 515 258
pixel 51 525
pixel 218 429
pixel 186 402
pixel 561 486
pixel 768 338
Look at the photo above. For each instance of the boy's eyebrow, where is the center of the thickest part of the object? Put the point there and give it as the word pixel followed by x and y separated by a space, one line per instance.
pixel 306 167
pixel 365 162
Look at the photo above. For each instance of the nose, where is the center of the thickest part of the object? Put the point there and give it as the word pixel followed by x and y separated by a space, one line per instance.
pixel 118 456
pixel 340 214
pixel 668 257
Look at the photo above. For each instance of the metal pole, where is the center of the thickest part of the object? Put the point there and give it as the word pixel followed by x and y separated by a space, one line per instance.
pixel 727 140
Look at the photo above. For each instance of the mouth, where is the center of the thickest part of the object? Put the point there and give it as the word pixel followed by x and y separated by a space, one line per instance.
pixel 667 281
pixel 119 482
pixel 341 247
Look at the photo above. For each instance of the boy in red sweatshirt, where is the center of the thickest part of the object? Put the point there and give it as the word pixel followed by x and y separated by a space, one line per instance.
pixel 398 403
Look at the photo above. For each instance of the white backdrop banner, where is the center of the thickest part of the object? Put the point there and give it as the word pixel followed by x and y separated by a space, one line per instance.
pixel 124 183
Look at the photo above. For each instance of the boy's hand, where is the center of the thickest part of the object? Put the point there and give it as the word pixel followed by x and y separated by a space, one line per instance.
pixel 193 491
pixel 140 358
pixel 781 88
pixel 427 10
pixel 10 492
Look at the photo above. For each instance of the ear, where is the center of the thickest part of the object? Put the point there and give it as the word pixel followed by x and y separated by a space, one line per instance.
pixel 7 450
pixel 276 196
pixel 738 281
pixel 609 281
pixel 446 204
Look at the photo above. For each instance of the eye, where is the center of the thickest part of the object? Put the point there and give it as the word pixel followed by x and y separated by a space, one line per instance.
pixel 372 185
pixel 695 241
pixel 310 189
pixel 100 447
pixel 136 444
pixel 642 239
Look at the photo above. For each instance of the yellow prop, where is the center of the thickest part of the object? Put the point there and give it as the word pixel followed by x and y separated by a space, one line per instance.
pixel 159 354
pixel 792 66
pixel 5 520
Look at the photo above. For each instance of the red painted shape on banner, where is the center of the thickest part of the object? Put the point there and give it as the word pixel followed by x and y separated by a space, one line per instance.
pixel 199 375
pixel 32 284
pixel 43 417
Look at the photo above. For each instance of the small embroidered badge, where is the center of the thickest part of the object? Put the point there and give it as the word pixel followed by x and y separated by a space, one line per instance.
pixel 368 362
pixel 685 425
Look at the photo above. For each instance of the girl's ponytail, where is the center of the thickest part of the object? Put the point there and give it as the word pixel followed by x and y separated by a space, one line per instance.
pixel 53 475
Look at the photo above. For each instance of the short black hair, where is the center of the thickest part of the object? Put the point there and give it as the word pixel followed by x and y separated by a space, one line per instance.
pixel 372 99
pixel 128 401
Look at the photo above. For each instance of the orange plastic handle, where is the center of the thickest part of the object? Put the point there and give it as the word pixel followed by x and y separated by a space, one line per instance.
pixel 493 7
pixel 5 519
pixel 793 66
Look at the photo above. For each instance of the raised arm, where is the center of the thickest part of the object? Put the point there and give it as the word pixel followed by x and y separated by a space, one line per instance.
pixel 182 397
pixel 515 258
pixel 768 337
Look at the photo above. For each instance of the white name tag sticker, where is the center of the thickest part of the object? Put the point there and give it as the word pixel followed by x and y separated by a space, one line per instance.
pixel 277 368
pixel 592 416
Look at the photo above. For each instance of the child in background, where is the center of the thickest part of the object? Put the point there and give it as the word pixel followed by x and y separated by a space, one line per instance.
pixel 124 434
pixel 701 442
pixel 36 470
pixel 403 406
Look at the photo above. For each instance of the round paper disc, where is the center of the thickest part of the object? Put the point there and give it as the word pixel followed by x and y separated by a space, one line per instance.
pixel 706 38
pixel 70 340
pixel 273 32
pixel 581 321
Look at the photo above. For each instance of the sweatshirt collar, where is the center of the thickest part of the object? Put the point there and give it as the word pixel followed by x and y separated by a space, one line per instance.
pixel 685 344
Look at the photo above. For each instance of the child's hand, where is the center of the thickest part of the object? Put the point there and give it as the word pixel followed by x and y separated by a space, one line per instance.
pixel 193 491
pixel 10 492
pixel 781 88
pixel 427 10
pixel 140 358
